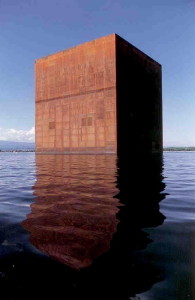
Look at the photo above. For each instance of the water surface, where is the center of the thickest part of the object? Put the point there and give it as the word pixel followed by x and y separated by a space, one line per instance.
pixel 92 227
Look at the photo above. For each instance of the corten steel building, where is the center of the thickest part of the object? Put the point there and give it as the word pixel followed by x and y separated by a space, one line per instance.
pixel 103 96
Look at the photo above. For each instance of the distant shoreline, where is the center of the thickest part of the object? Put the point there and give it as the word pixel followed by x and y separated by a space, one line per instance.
pixel 165 149
pixel 16 150
pixel 179 149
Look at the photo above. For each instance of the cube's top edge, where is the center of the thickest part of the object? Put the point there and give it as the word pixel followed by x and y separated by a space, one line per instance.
pixel 113 37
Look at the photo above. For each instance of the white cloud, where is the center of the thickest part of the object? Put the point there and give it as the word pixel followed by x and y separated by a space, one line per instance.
pixel 17 135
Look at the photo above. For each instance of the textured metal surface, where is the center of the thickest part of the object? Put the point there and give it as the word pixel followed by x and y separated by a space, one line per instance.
pixel 104 96
pixel 76 99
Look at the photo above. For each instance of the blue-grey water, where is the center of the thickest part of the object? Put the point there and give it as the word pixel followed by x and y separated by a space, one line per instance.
pixel 92 227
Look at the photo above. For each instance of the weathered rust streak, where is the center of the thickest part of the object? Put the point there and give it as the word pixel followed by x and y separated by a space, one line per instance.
pixel 78 94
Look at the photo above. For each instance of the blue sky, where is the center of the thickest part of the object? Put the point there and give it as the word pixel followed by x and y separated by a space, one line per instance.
pixel 164 29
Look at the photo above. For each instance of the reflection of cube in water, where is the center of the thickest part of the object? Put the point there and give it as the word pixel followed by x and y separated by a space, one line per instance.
pixel 106 88
pixel 73 217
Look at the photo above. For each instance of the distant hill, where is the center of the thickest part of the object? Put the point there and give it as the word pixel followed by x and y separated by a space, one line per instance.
pixel 11 146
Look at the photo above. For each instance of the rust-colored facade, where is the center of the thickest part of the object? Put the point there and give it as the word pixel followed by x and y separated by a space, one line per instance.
pixel 97 97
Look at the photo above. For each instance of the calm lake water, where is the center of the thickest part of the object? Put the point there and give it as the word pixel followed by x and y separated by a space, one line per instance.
pixel 92 227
